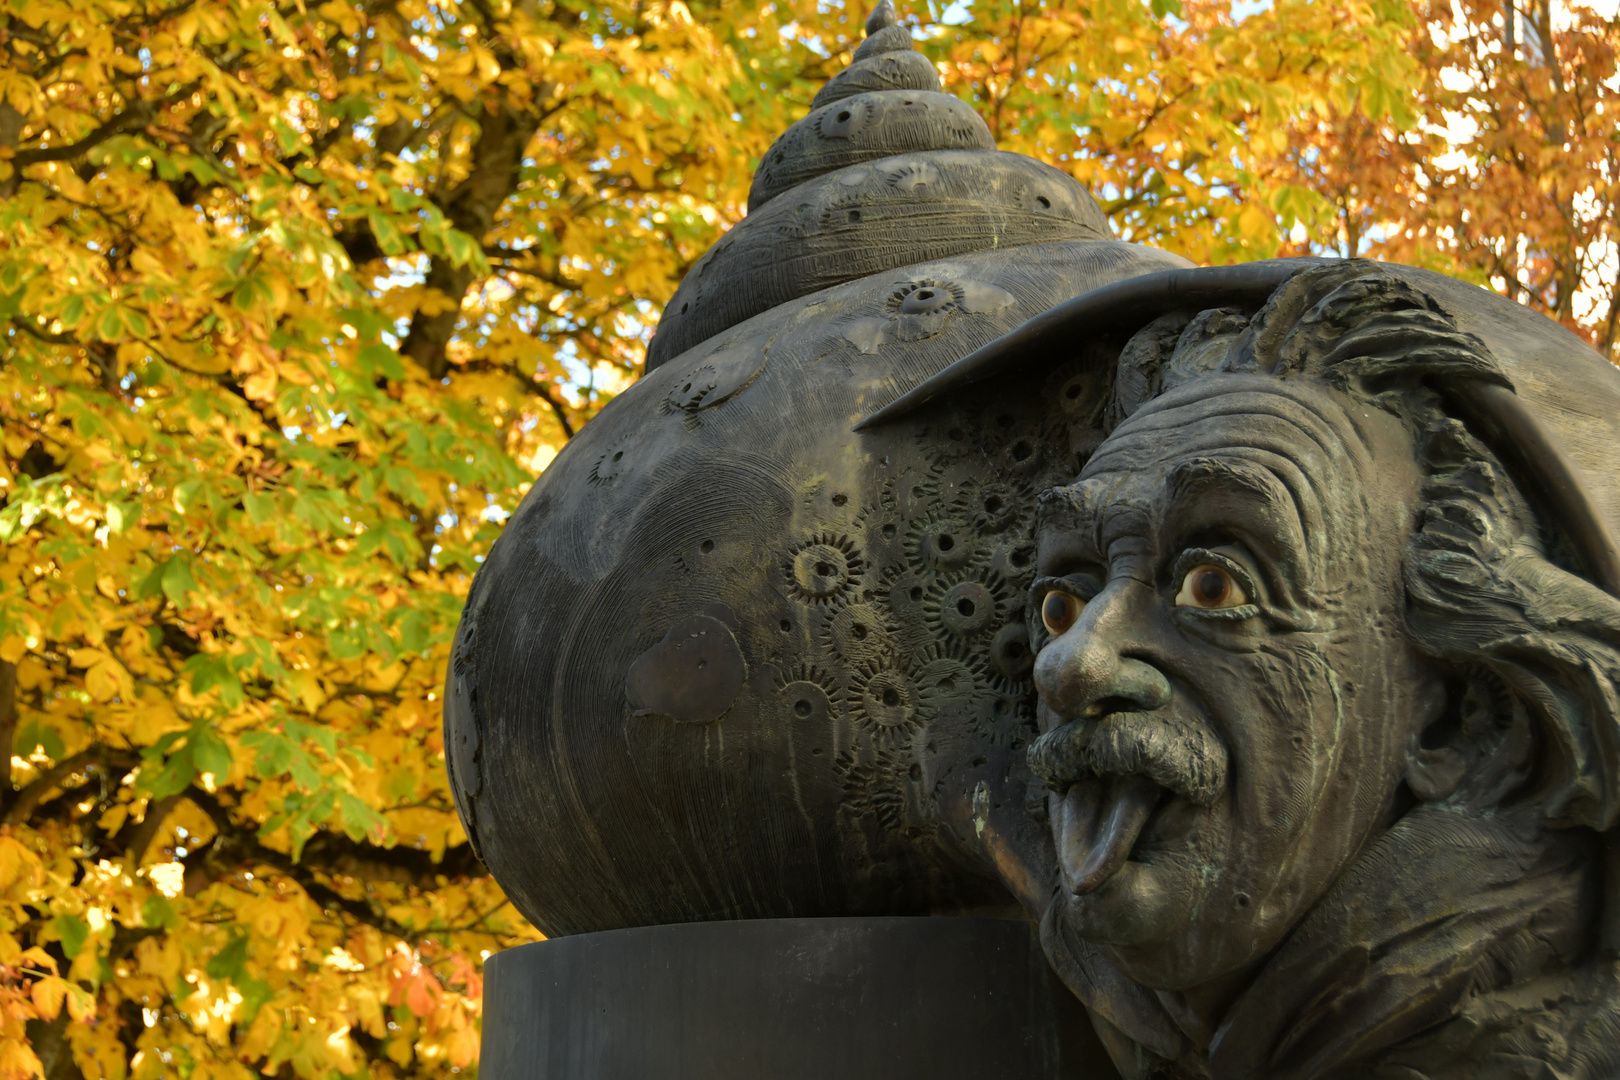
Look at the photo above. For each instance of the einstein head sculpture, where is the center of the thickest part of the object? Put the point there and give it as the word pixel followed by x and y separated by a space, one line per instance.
pixel 1327 646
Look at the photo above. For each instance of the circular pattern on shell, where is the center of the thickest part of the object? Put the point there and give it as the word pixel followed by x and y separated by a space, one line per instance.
pixel 1014 559
pixel 804 702
pixel 964 607
pixel 992 507
pixel 925 297
pixel 1076 388
pixel 945 446
pixel 1022 456
pixel 885 700
pixel 967 609
pixel 1010 653
pixel 941 542
pixel 948 683
pixel 857 632
pixel 823 569
pixel 689 392
pixel 610 466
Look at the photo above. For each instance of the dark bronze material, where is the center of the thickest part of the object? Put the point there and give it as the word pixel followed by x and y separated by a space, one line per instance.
pixel 787 999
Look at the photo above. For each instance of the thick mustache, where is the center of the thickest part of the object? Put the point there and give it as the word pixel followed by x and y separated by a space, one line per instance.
pixel 1176 753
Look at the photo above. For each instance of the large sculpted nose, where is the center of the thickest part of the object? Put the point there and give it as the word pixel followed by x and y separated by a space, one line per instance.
pixel 1095 667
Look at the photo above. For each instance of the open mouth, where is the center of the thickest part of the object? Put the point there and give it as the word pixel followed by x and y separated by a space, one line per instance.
pixel 1098 824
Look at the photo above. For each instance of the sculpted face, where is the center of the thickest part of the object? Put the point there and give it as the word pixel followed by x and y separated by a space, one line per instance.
pixel 1228 697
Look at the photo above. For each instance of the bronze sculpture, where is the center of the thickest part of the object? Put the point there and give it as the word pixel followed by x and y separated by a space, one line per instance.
pixel 1327 676
pixel 1320 775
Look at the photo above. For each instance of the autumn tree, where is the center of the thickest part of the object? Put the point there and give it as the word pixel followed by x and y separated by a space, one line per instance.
pixel 297 298
pixel 1510 176
pixel 1517 180
pixel 1174 113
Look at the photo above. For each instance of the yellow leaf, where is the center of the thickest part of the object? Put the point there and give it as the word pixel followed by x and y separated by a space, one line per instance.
pixel 48 994
pixel 1255 222
pixel 17 863
pixel 36 957
pixel 108 679
pixel 81 1006
pixel 113 819
pixel 17 1059
pixel 261 385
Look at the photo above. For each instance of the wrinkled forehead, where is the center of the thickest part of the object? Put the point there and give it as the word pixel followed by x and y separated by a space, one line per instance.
pixel 1294 444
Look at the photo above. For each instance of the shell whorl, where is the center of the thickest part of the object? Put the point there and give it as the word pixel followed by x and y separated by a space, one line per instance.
pixel 887 170
pixel 887 102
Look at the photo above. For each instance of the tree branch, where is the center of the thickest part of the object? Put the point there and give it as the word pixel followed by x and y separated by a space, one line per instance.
pixel 327 853
pixel 29 797
pixel 133 118
pixel 544 393
pixel 8 726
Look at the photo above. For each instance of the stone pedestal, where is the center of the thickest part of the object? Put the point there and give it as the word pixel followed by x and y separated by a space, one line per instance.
pixel 787 999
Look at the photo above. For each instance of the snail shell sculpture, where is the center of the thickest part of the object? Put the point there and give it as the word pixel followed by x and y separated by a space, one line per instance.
pixel 730 661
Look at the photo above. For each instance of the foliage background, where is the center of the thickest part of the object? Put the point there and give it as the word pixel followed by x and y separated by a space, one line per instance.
pixel 298 297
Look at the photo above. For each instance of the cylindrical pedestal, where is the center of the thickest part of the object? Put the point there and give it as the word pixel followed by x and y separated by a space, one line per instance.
pixel 787 999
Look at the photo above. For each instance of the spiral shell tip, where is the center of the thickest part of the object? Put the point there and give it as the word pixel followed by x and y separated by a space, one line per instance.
pixel 883 16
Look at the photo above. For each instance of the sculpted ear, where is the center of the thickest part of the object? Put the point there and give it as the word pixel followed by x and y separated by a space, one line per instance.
pixel 1538 645
pixel 1477 746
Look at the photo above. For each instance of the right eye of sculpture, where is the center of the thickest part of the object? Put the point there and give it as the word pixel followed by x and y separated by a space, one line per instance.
pixel 1060 610
pixel 1210 587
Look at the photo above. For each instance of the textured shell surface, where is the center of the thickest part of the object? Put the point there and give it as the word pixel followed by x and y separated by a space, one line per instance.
pixel 831 622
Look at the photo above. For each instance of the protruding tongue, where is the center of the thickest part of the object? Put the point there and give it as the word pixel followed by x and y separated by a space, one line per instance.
pixel 1098 825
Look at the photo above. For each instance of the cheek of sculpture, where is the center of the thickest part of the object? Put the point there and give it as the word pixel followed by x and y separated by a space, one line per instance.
pixel 1291 749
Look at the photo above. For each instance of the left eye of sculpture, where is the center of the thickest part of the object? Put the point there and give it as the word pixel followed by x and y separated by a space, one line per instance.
pixel 1212 588
pixel 1060 610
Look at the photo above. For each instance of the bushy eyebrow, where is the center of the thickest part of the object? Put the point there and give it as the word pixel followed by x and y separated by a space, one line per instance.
pixel 1191 482
pixel 1065 509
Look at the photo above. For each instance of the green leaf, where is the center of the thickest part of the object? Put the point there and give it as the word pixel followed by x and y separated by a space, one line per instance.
pixel 73 932
pixel 39 735
pixel 157 912
pixel 215 672
pixel 121 516
pixel 177 581
pixel 273 751
pixel 256 993
pixel 373 358
pixel 360 821
pixel 303 824
pixel 175 776
pixel 188 494
pixel 210 753
pixel 416 632
pixel 229 961
pixel 261 508
pixel 347 643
